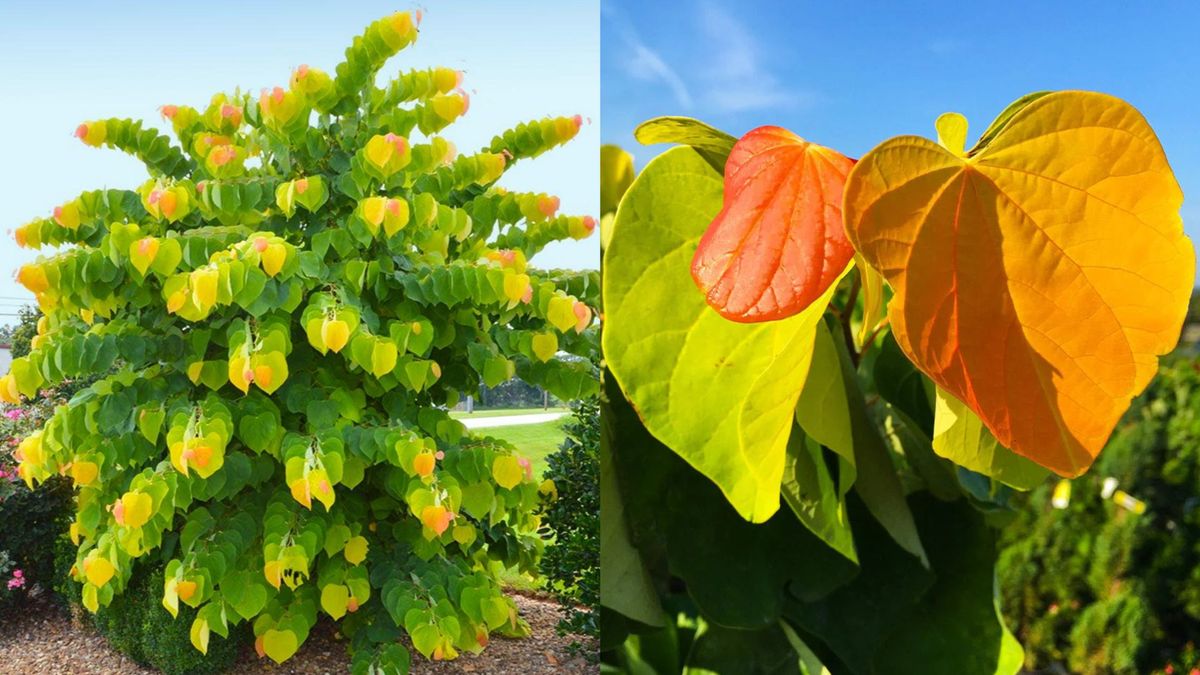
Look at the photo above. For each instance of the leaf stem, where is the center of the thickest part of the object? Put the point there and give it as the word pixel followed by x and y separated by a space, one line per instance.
pixel 846 313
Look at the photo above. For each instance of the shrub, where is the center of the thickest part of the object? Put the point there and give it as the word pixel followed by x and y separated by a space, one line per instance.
pixel 32 522
pixel 281 315
pixel 137 625
pixel 572 564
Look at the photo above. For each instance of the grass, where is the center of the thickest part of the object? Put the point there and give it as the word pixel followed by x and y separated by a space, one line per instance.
pixel 502 412
pixel 535 441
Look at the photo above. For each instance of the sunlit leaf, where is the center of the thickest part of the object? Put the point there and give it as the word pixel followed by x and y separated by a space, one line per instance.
pixel 1038 276
pixel 719 393
pixel 778 243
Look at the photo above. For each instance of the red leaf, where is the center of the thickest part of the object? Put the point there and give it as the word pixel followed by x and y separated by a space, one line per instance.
pixel 779 242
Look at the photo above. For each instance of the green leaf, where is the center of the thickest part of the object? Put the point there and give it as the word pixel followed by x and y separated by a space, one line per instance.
pixel 958 624
pixel 246 592
pixel 616 173
pixel 425 638
pixel 712 144
pixel 961 437
pixel 624 583
pixel 876 481
pixel 738 573
pixel 719 650
pixel 808 488
pixel 709 388
pixel 897 617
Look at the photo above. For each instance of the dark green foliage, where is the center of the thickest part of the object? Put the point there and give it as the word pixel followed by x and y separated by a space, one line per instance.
pixel 1102 589
pixel 514 393
pixel 572 564
pixel 24 331
pixel 137 625
pixel 32 522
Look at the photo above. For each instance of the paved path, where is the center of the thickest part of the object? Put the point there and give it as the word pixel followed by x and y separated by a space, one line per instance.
pixel 509 420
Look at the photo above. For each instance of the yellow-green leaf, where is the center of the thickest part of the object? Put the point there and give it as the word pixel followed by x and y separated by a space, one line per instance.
pixel 718 393
pixel 961 437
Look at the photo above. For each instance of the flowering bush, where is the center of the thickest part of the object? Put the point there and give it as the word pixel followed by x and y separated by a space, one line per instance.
pixel 31 522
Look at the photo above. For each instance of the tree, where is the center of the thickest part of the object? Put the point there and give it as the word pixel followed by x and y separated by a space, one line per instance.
pixel 290 302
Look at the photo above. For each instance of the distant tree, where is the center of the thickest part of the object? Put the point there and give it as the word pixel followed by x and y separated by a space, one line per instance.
pixel 19 336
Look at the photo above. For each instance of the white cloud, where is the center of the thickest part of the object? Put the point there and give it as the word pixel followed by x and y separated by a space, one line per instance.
pixel 644 63
pixel 736 79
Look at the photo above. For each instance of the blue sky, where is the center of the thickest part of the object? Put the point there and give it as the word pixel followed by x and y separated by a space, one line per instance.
pixel 851 74
pixel 64 63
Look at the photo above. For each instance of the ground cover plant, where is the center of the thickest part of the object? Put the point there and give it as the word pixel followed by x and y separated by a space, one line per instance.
pixel 280 317
pixel 845 369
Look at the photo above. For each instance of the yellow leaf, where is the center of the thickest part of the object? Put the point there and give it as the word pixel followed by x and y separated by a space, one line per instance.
pixel 320 487
pixel 561 313
pixel 84 472
pixel 356 550
pixel 515 287
pixel 273 258
pixel 395 216
pixel 335 333
pixel 437 518
pixel 98 570
pixel 373 209
pixel 176 301
pixel 9 393
pixel 423 463
pixel 334 598
pixel 872 289
pixel 204 288
pixel 273 571
pixel 1038 277
pixel 238 371
pixel 379 151
pixel 170 600
pixel 199 634
pixel 301 492
pixel 185 589
pixel 507 471
pixel 280 644
pixel 138 507
pixel 67 215
pixel 545 346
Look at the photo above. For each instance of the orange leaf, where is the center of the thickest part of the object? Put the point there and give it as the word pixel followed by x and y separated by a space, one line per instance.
pixel 778 243
pixel 1036 277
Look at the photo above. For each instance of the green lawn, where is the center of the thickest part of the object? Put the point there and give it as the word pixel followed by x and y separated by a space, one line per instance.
pixel 501 412
pixel 534 441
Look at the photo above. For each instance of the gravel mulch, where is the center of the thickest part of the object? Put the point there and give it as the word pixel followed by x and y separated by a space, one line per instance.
pixel 44 639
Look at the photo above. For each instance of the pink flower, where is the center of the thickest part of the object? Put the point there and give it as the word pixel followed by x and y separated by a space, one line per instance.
pixel 18 573
pixel 14 413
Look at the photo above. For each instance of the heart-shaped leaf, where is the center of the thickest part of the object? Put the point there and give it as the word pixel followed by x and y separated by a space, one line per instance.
pixel 778 244
pixel 280 644
pixel 718 393
pixel 1037 277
